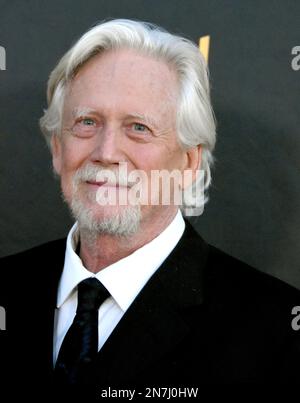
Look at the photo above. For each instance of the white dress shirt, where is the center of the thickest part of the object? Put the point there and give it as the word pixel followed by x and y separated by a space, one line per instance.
pixel 123 279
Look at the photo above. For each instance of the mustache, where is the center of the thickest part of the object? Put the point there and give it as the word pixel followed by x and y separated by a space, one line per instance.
pixel 93 173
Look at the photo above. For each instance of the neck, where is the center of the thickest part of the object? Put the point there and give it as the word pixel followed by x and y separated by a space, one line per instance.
pixel 102 250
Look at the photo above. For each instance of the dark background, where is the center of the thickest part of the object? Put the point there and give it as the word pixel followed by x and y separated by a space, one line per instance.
pixel 254 208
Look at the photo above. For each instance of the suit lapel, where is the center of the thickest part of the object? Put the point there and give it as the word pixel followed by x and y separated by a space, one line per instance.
pixel 43 326
pixel 154 324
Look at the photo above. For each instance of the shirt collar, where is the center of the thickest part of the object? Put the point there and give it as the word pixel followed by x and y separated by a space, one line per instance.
pixel 125 278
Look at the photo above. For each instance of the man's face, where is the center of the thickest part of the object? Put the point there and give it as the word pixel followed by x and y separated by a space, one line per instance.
pixel 120 107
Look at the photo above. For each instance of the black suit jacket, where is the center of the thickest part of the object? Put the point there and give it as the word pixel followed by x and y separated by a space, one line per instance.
pixel 203 317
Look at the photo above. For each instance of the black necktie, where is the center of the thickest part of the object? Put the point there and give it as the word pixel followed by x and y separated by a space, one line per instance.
pixel 80 345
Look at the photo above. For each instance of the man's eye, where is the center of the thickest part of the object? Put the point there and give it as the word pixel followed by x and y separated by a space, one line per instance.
pixel 139 127
pixel 85 127
pixel 88 122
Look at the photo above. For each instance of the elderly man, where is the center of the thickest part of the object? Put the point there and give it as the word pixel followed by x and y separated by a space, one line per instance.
pixel 134 297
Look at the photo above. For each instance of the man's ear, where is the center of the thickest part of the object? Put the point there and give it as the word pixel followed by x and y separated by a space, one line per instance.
pixel 56 153
pixel 194 159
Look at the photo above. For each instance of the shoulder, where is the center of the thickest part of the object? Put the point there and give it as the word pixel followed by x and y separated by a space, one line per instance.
pixel 33 261
pixel 21 273
pixel 239 297
pixel 47 247
pixel 232 279
pixel 243 279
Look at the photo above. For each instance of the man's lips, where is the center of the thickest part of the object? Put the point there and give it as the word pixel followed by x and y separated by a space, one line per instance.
pixel 105 184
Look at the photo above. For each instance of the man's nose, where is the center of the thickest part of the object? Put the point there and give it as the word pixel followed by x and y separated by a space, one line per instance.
pixel 107 148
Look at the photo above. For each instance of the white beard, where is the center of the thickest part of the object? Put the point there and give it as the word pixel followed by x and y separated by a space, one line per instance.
pixel 124 223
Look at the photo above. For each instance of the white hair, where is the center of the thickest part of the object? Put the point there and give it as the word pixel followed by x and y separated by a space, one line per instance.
pixel 195 117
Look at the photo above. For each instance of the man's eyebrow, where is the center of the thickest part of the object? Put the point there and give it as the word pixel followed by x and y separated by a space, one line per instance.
pixel 81 111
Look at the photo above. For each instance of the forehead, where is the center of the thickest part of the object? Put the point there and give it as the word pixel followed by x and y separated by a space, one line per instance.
pixel 124 77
